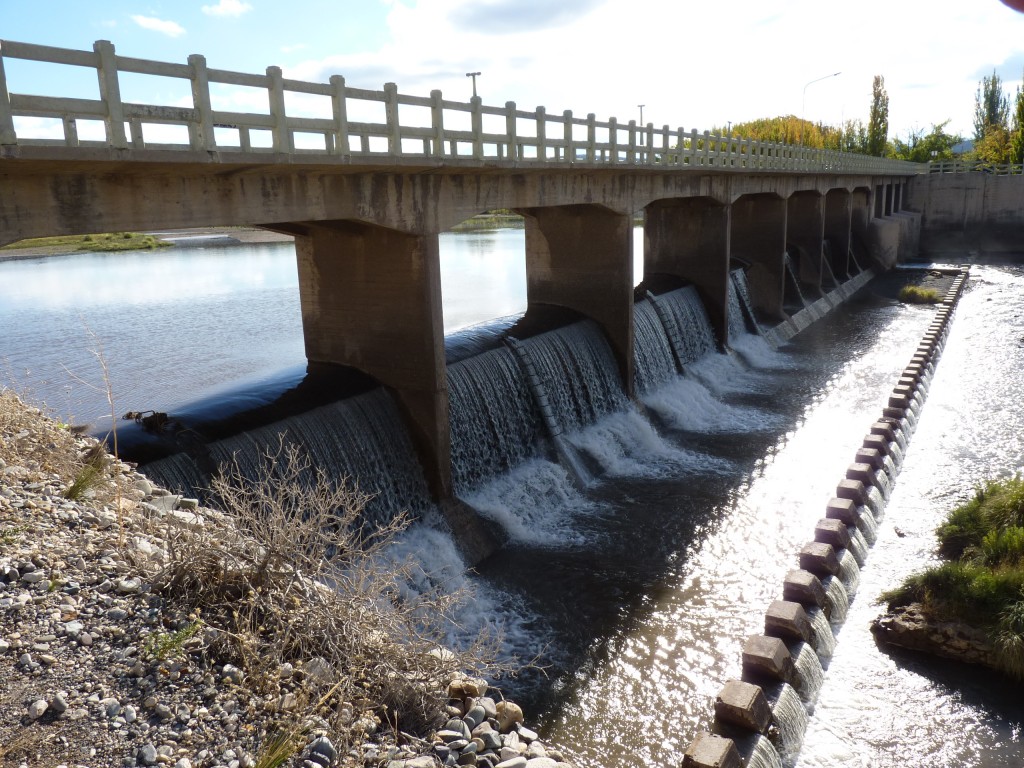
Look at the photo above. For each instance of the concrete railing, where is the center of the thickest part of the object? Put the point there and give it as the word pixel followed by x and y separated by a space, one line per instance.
pixel 485 135
pixel 976 166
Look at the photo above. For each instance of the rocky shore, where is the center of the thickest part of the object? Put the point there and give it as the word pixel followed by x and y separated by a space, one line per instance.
pixel 101 668
pixel 910 627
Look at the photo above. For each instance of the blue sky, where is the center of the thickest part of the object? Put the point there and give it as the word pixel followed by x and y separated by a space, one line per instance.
pixel 692 64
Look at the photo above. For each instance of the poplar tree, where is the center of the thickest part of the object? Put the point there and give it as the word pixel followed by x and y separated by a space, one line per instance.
pixel 991 107
pixel 878 121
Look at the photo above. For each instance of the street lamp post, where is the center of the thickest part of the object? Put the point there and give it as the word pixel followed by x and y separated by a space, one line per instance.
pixel 641 113
pixel 803 104
pixel 474 76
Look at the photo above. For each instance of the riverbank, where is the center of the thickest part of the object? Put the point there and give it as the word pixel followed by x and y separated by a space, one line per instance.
pixel 108 663
pixel 203 236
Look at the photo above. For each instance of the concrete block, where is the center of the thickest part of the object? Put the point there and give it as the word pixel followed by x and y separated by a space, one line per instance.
pixel 767 657
pixel 880 442
pixel 885 429
pixel 870 456
pixel 787 619
pixel 819 558
pixel 890 412
pixel 711 751
pixel 862 472
pixel 844 510
pixel 745 705
pixel 854 490
pixel 804 587
pixel 832 531
pixel 899 401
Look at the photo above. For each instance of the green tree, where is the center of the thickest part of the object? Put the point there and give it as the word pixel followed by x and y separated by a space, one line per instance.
pixel 991 107
pixel 994 147
pixel 878 121
pixel 1017 132
pixel 920 147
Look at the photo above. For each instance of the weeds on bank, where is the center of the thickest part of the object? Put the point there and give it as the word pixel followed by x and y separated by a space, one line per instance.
pixel 111 241
pixel 982 581
pixel 292 576
pixel 915 294
pixel 170 645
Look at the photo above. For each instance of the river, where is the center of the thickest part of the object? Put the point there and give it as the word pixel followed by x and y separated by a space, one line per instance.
pixel 640 590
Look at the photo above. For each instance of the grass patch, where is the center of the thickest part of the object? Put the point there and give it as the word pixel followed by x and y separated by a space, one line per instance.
pixel 915 294
pixel 111 241
pixel 981 582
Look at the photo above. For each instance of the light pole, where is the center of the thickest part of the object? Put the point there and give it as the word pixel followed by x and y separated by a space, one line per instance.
pixel 641 113
pixel 803 104
pixel 474 76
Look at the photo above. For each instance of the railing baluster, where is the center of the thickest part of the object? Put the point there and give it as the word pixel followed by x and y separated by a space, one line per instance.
pixel 511 131
pixel 613 140
pixel 437 122
pixel 110 93
pixel 7 133
pixel 202 138
pixel 135 126
pixel 570 153
pixel 476 121
pixel 275 95
pixel 70 131
pixel 339 107
pixel 591 136
pixel 542 134
pixel 394 130
pixel 631 149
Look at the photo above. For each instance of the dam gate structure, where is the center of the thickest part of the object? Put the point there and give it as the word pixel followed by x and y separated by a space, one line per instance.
pixel 366 200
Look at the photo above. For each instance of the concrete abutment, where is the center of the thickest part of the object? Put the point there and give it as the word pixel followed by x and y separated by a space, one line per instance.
pixel 758 238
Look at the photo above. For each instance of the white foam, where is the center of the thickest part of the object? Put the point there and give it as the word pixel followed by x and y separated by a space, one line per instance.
pixel 685 403
pixel 535 503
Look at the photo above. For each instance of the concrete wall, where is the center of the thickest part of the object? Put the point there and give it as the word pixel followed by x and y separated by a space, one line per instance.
pixel 968 212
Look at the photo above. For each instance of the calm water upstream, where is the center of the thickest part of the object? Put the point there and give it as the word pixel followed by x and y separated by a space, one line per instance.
pixel 640 589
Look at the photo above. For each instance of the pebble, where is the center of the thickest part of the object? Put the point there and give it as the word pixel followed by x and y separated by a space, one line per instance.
pixel 78 615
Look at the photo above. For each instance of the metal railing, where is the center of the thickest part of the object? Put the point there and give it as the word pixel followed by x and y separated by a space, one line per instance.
pixel 976 166
pixel 488 136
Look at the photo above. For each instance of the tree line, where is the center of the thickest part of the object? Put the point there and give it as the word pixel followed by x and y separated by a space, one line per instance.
pixel 998 130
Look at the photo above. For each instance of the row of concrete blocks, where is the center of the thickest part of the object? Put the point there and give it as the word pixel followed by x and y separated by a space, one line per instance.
pixel 746 729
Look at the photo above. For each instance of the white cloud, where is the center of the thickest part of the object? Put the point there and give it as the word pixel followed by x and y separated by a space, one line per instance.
pixel 169 28
pixel 227 8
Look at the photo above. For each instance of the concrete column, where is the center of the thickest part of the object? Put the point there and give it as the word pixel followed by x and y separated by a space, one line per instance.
pixel 689 238
pixel 371 299
pixel 888 198
pixel 758 237
pixel 581 257
pixel 805 229
pixel 838 220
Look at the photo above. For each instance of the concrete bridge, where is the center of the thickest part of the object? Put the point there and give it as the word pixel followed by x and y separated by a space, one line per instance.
pixel 366 200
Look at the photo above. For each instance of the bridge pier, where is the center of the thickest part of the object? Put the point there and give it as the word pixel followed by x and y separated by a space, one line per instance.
pixel 581 257
pixel 688 238
pixel 838 220
pixel 805 229
pixel 371 299
pixel 758 236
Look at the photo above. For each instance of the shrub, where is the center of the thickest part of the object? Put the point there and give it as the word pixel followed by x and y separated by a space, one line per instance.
pixel 289 575
pixel 915 294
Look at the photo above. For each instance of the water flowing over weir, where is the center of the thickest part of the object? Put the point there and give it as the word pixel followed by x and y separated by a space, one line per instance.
pixel 642 581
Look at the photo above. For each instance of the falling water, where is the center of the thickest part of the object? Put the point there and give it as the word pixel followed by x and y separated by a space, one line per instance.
pixel 683 311
pixel 810 675
pixel 824 639
pixel 655 363
pixel 757 751
pixel 578 372
pixel 495 424
pixel 789 718
pixel 838 600
pixel 849 572
pixel 793 295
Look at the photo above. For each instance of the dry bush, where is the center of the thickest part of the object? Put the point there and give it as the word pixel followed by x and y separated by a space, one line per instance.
pixel 29 439
pixel 289 575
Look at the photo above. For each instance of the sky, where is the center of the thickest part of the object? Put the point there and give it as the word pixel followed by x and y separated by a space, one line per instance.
pixel 691 64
